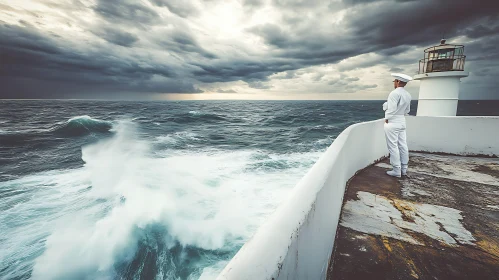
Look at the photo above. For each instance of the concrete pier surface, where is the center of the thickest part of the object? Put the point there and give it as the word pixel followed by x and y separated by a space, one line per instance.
pixel 440 222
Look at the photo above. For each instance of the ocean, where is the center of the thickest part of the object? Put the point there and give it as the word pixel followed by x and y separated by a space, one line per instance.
pixel 156 189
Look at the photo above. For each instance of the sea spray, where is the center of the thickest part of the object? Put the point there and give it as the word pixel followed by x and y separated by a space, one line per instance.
pixel 197 201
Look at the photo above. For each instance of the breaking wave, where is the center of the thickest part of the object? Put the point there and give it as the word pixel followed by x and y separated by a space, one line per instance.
pixel 82 125
pixel 74 127
pixel 134 213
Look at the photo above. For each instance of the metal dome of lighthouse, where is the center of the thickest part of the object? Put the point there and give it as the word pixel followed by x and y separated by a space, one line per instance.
pixel 443 57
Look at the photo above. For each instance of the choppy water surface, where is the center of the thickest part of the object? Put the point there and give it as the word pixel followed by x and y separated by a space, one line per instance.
pixel 151 190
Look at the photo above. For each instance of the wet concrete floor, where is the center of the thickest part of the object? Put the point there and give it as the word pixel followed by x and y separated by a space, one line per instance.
pixel 440 222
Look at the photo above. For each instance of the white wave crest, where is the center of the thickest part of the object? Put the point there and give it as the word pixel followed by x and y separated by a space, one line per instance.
pixel 83 118
pixel 195 113
pixel 177 137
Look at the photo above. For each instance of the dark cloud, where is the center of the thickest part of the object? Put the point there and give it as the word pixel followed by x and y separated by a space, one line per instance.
pixel 226 91
pixel 481 31
pixel 21 87
pixel 356 2
pixel 238 69
pixel 288 75
pixel 272 34
pixel 483 50
pixel 25 23
pixel 34 62
pixel 396 69
pixel 126 12
pixel 28 50
pixel 417 22
pixel 181 41
pixel 116 36
pixel 389 51
pixel 181 8
pixel 258 85
pixel 387 28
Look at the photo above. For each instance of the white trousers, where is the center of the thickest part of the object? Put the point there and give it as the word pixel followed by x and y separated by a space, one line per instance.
pixel 396 141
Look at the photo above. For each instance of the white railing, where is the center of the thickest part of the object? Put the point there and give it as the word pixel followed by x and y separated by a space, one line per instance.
pixel 297 240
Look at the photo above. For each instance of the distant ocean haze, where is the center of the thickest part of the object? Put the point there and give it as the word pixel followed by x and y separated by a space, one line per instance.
pixel 154 190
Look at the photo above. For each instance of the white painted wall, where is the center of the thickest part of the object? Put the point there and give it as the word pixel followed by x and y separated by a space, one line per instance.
pixel 439 93
pixel 297 240
pixel 435 107
pixel 455 135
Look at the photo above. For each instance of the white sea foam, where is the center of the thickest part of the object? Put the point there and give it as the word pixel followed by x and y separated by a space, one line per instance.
pixel 213 271
pixel 195 113
pixel 205 199
pixel 83 118
pixel 325 142
pixel 177 137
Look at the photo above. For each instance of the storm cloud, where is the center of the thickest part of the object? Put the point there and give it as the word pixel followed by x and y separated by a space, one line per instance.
pixel 116 36
pixel 109 47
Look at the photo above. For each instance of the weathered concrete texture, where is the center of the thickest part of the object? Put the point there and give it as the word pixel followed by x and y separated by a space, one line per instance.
pixel 441 222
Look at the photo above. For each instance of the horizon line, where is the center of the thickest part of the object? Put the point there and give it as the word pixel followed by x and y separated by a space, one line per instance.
pixel 161 100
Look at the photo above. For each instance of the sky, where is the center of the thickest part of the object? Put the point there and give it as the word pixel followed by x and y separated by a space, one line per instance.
pixel 240 49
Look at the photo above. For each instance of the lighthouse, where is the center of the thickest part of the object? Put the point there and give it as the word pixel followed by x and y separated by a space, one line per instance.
pixel 440 72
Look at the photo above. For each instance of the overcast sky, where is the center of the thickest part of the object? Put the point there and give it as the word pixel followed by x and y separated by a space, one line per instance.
pixel 263 49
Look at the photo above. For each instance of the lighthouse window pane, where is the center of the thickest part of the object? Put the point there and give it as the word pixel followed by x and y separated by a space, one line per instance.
pixel 445 54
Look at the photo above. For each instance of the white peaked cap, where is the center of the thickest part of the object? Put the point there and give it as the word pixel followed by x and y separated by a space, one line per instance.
pixel 402 77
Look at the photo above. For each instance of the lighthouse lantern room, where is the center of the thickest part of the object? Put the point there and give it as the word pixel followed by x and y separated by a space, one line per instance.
pixel 440 72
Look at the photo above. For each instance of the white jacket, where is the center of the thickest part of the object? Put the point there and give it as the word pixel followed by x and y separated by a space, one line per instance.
pixel 398 105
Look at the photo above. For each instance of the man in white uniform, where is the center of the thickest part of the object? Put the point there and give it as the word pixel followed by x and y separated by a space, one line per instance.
pixel 397 106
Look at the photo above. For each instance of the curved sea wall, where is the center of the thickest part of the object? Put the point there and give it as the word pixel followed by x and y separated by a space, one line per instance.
pixel 297 240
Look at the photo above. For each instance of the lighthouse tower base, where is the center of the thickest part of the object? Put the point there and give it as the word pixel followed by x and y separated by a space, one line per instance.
pixel 439 93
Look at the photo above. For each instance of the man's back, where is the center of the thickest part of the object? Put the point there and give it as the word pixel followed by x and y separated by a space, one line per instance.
pixel 399 104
